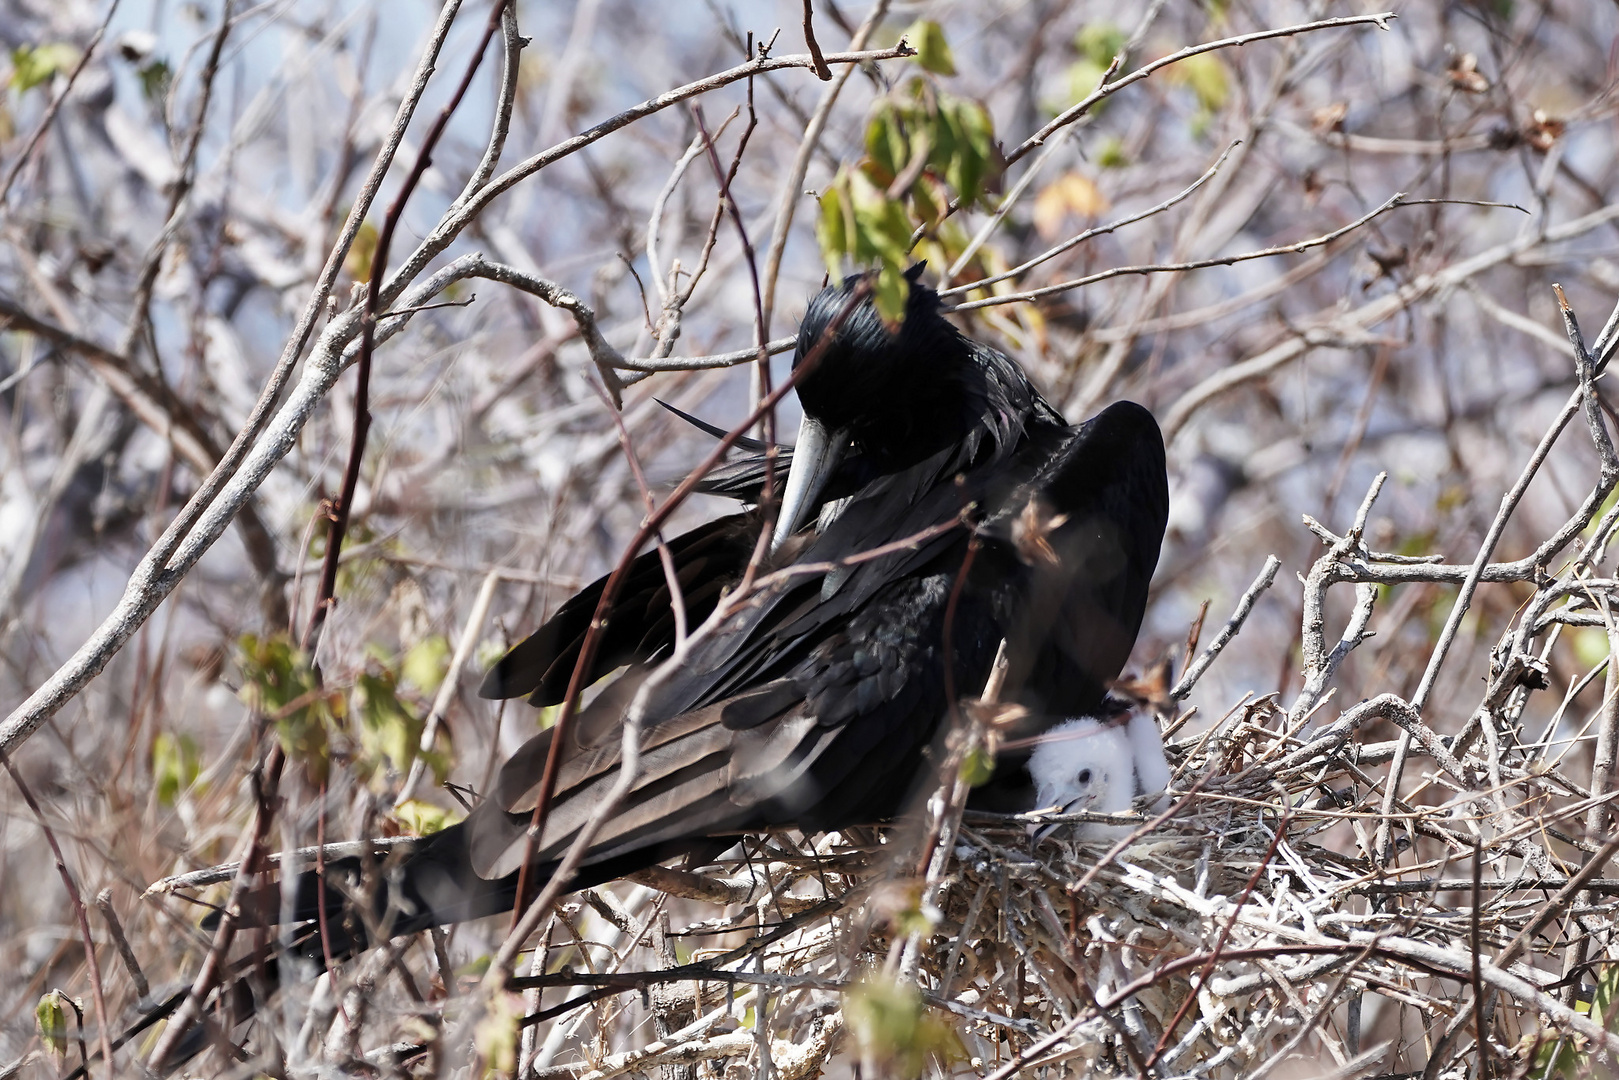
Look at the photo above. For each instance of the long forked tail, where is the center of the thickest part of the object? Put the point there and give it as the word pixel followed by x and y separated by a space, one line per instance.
pixel 389 894
pixel 430 883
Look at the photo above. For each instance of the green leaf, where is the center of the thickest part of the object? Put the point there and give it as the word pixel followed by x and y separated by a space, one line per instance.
pixel 496 1033
pixel 50 1019
pixel 389 733
pixel 275 672
pixel 882 229
pixel 977 767
pixel 928 201
pixel 1567 1058
pixel 32 65
pixel 1099 43
pixel 278 681
pixel 899 907
pixel 156 77
pixel 932 50
pixel 1111 155
pixel 476 967
pixel 973 158
pixel 1207 77
pixel 364 248
pixel 945 245
pixel 1604 995
pixel 979 129
pixel 886 144
pixel 426 663
pixel 488 654
pixel 892 291
pixel 423 818
pixel 864 220
pixel 893 1027
pixel 834 228
pixel 1574 1057
pixel 176 763
pixel 1084 78
pixel 1590 645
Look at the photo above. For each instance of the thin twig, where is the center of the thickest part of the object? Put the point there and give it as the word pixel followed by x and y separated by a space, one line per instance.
pixel 55 106
pixel 1085 104
pixel 342 508
pixel 1395 200
pixel 1245 607
pixel 1073 241
pixel 103 1017
pixel 1509 502
pixel 818 64
pixel 266 783
pixel 115 927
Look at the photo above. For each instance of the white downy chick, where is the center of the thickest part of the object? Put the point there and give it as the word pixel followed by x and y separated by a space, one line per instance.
pixel 1147 748
pixel 1099 766
pixel 1084 765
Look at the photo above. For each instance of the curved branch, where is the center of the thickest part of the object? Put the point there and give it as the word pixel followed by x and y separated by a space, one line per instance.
pixel 264 441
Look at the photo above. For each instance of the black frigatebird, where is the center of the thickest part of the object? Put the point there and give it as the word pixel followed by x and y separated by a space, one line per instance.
pixel 814 704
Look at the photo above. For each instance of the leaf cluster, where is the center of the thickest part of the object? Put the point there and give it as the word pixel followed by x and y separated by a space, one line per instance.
pixel 386 702
pixel 34 65
pixel 928 153
pixel 1574 1056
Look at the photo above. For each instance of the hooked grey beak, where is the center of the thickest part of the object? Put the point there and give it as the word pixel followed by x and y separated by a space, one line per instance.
pixel 1075 806
pixel 815 458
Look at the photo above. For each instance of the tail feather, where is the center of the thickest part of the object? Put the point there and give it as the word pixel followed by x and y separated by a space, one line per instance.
pixel 408 890
pixel 404 892
pixel 433 884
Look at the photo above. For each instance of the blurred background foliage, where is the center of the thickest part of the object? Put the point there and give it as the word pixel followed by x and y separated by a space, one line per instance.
pixel 491 453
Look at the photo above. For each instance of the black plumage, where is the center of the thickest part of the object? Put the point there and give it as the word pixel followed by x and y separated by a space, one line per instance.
pixel 814 704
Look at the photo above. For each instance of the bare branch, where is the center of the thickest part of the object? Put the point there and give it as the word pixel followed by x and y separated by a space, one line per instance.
pixel 1245 606
pixel 1397 199
pixel 1085 104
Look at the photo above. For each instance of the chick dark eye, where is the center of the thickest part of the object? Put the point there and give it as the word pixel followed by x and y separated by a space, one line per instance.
pixel 1084 776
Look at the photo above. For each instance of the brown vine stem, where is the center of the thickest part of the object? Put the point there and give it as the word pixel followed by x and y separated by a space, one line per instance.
pixel 822 72
pixel 105 1020
pixel 326 597
pixel 266 783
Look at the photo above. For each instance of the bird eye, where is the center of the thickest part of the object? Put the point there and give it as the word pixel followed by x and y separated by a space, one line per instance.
pixel 1084 776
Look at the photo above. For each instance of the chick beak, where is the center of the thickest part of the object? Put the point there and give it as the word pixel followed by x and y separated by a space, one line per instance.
pixel 1074 807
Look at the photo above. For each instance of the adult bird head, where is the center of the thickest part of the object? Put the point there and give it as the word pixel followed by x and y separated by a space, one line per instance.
pixel 891 394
